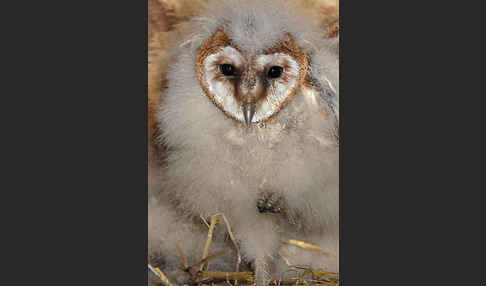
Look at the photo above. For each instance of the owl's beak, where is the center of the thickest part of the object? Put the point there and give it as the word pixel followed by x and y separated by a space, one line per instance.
pixel 248 112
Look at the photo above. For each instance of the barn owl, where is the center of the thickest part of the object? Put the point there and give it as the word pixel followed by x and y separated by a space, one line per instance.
pixel 247 125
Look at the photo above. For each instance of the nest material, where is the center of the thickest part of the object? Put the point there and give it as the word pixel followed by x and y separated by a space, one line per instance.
pixel 201 275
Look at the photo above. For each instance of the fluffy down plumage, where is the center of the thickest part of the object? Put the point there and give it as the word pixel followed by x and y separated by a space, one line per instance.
pixel 204 162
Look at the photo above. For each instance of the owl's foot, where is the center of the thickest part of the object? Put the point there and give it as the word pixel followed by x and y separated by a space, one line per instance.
pixel 270 203
pixel 262 274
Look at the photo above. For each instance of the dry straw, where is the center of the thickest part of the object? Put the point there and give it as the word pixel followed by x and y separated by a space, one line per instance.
pixel 302 275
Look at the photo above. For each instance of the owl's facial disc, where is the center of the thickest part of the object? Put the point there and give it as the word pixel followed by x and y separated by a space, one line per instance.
pixel 254 88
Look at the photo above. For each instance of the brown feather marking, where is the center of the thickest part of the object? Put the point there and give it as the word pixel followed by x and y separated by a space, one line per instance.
pixel 288 46
pixel 209 47
pixel 285 46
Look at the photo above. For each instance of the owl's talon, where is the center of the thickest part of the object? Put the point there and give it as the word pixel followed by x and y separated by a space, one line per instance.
pixel 270 203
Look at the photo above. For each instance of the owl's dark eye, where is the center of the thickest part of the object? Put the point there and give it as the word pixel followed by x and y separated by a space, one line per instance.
pixel 275 72
pixel 227 69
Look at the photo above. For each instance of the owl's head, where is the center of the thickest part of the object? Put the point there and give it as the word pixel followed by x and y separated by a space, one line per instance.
pixel 250 86
pixel 246 62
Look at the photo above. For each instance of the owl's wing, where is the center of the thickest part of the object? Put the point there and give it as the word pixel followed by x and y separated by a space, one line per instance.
pixel 323 102
pixel 324 69
pixel 324 99
pixel 322 88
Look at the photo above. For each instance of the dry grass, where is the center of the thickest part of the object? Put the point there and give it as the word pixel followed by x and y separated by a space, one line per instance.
pixel 201 275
